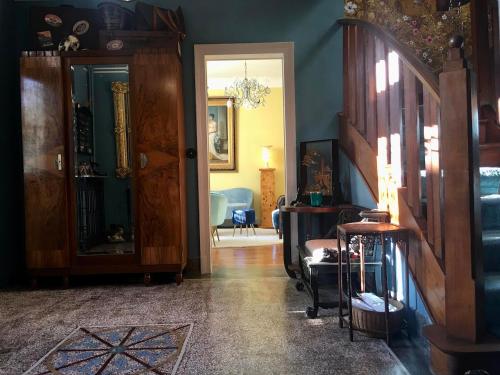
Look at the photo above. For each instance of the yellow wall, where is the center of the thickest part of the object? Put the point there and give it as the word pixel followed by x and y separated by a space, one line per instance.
pixel 255 128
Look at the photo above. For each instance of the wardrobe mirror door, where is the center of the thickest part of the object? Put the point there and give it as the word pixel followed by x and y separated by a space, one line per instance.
pixel 102 160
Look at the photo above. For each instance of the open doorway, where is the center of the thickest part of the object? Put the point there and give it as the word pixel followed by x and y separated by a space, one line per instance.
pixel 246 150
pixel 246 142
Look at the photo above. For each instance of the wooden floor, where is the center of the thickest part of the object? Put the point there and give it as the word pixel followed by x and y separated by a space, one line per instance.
pixel 256 261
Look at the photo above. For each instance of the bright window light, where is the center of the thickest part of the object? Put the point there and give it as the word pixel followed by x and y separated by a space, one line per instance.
pixel 428 133
pixel 399 275
pixel 393 68
pixel 396 158
pixel 381 77
pixel 382 173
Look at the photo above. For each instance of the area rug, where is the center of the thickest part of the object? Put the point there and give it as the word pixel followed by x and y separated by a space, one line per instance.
pixel 148 349
pixel 262 237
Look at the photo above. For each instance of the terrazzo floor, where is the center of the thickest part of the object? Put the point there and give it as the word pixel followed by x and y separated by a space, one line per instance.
pixel 241 326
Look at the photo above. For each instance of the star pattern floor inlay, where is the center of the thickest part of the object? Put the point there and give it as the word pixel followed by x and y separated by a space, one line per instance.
pixel 152 349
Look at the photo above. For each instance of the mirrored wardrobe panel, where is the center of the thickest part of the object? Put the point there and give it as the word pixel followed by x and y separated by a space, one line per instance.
pixel 102 139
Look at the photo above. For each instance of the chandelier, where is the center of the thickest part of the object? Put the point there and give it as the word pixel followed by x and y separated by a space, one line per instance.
pixel 247 93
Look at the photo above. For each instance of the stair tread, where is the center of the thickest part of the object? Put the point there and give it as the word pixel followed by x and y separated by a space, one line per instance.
pixel 438 337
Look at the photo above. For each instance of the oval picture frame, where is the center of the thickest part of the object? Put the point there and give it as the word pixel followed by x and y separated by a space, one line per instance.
pixel 81 27
pixel 114 45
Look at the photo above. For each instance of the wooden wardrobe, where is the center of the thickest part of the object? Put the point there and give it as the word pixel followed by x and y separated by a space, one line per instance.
pixel 154 238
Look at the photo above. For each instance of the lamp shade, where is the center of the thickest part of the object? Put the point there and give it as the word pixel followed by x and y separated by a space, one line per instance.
pixel 266 155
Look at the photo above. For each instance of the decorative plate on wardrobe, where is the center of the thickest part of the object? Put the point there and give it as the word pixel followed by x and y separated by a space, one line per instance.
pixel 53 20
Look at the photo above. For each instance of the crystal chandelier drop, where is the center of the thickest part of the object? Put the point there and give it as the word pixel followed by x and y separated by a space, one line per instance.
pixel 247 93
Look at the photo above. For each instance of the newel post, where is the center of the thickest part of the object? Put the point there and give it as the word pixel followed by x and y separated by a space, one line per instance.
pixel 461 210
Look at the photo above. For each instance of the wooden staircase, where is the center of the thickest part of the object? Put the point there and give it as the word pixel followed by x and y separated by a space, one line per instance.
pixel 381 130
pixel 413 137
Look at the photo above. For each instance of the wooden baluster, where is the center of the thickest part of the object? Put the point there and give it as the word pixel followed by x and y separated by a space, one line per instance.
pixel 433 185
pixel 412 137
pixel 428 168
pixel 381 89
pixel 352 75
pixel 395 116
pixel 371 92
pixel 345 69
pixel 360 82
pixel 436 180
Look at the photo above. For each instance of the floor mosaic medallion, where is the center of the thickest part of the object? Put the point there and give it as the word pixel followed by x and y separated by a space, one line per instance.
pixel 127 350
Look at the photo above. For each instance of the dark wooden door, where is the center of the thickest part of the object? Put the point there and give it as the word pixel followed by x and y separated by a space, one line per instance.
pixel 45 180
pixel 159 144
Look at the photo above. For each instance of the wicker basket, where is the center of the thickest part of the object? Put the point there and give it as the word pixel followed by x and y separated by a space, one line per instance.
pixel 373 323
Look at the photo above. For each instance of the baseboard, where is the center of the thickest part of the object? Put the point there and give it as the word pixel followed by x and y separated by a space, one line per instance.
pixel 193 268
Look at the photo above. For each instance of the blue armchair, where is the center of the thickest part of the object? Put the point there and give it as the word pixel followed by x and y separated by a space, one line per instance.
pixel 218 207
pixel 276 215
pixel 237 199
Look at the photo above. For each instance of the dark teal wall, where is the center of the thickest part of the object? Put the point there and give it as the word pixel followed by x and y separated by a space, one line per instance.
pixel 310 24
pixel 11 202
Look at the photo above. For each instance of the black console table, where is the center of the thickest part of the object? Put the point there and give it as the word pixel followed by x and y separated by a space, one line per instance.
pixel 285 212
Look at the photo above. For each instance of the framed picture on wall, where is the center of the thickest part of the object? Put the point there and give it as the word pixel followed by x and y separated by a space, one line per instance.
pixel 221 130
pixel 319 170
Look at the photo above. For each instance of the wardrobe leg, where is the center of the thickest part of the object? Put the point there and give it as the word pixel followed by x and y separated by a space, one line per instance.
pixel 179 278
pixel 34 283
pixel 147 279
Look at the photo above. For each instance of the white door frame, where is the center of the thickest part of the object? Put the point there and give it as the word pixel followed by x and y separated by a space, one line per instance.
pixel 247 51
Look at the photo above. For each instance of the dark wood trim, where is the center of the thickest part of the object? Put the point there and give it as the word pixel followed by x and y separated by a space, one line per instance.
pixel 421 71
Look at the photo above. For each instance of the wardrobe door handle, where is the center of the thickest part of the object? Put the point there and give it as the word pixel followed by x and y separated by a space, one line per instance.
pixel 59 162
pixel 144 160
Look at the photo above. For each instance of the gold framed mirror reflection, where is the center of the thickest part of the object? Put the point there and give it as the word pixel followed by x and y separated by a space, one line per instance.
pixel 122 128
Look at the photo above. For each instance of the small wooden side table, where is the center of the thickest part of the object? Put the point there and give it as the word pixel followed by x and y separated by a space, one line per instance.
pixel 373 233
